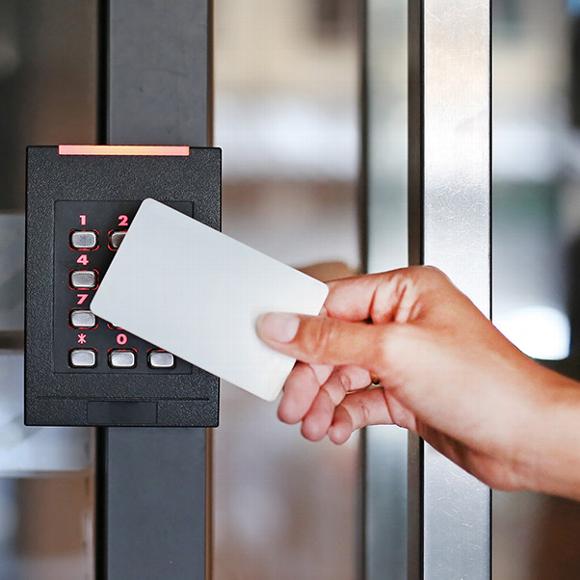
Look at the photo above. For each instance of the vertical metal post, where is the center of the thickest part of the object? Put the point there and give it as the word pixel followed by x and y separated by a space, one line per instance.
pixel 449 173
pixel 384 233
pixel 152 512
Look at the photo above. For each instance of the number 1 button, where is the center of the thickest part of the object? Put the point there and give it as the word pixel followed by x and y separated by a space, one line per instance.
pixel 83 240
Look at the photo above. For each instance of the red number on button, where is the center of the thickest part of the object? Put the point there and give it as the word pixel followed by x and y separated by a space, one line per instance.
pixel 83 219
pixel 123 220
pixel 121 339
pixel 83 259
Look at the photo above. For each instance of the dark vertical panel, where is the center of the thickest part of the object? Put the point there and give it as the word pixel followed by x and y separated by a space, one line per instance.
pixel 416 200
pixel 153 493
pixel 158 72
pixel 153 481
pixel 47 82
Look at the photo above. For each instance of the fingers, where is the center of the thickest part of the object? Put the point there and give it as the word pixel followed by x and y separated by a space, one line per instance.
pixel 323 340
pixel 319 416
pixel 300 390
pixel 304 385
pixel 343 403
pixel 391 296
pixel 359 410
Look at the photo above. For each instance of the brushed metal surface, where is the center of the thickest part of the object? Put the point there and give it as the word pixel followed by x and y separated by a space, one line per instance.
pixel 452 194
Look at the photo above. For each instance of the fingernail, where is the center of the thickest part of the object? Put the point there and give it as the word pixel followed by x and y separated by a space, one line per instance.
pixel 278 327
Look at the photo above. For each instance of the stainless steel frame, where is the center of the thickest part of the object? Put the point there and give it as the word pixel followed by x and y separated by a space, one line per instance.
pixel 449 512
pixel 450 207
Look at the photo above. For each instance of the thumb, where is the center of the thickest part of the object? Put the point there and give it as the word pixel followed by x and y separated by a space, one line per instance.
pixel 322 340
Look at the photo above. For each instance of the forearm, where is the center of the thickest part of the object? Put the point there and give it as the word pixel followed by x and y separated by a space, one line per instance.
pixel 554 447
pixel 447 374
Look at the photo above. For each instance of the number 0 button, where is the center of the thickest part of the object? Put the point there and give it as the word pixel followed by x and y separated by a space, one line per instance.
pixel 122 359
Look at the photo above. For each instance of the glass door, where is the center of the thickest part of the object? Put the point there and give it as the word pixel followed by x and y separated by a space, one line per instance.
pixel 535 61
pixel 48 94
pixel 286 116
pixel 314 170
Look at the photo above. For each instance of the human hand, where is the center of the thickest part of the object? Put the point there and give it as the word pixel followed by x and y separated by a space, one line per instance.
pixel 446 373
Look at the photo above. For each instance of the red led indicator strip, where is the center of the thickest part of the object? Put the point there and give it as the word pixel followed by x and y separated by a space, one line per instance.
pixel 151 150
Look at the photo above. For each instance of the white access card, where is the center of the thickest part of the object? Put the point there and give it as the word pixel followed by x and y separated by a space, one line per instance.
pixel 197 293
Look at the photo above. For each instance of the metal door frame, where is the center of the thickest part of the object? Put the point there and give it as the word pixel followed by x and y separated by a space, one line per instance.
pixel 448 529
pixel 153 508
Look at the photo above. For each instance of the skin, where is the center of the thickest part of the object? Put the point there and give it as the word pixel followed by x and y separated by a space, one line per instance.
pixel 445 373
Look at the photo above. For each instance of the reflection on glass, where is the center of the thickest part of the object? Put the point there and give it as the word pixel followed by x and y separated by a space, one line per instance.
pixel 47 96
pixel 536 233
pixel 387 136
pixel 286 117
pixel 386 447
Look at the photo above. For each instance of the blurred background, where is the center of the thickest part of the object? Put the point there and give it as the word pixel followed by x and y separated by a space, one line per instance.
pixel 536 214
pixel 287 114
pixel 536 224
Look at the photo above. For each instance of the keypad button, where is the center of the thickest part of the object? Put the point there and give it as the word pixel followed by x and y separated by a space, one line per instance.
pixel 159 359
pixel 83 319
pixel 122 359
pixel 83 240
pixel 115 238
pixel 82 358
pixel 83 279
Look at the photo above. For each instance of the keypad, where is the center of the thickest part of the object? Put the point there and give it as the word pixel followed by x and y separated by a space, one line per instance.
pixel 83 319
pixel 87 236
pixel 115 238
pixel 83 358
pixel 83 279
pixel 84 240
pixel 122 359
pixel 159 359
